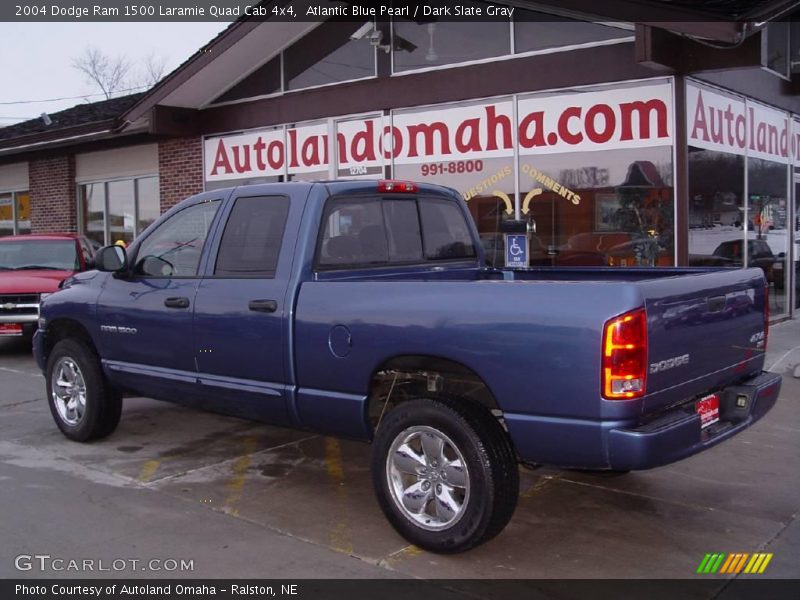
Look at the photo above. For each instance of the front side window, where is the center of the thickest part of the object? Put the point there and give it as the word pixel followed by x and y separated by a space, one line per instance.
pixel 251 242
pixel 174 248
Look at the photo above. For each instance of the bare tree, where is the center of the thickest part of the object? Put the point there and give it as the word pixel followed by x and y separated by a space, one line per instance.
pixel 154 67
pixel 115 74
pixel 107 72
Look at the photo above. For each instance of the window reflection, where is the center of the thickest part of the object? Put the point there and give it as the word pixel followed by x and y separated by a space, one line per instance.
pixel 121 211
pixel 539 31
pixel 6 214
pixel 93 208
pixel 328 55
pixel 435 43
pixel 131 205
pixel 613 208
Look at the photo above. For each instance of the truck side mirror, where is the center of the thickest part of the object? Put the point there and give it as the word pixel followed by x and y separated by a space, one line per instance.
pixel 112 259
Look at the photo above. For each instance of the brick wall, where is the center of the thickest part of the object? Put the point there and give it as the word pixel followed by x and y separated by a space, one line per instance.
pixel 180 169
pixel 52 187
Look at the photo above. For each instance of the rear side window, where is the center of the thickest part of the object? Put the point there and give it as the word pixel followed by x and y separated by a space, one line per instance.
pixel 251 242
pixel 444 231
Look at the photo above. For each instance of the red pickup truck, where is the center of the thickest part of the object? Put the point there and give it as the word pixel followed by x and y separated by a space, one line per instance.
pixel 31 268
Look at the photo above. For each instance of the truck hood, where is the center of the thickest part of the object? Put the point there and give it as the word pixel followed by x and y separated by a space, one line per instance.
pixel 31 282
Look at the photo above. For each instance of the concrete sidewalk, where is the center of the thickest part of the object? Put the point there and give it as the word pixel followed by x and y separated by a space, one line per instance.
pixel 783 347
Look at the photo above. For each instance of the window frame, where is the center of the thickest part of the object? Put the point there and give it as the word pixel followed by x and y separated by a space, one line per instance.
pixel 512 54
pixel 81 219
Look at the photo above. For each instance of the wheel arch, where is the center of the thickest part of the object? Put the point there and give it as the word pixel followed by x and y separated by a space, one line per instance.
pixel 407 376
pixel 66 328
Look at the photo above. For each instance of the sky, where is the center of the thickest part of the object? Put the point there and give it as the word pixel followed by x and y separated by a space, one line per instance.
pixel 35 59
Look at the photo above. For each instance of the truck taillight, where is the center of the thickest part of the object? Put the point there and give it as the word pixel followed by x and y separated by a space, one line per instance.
pixel 625 356
pixel 390 186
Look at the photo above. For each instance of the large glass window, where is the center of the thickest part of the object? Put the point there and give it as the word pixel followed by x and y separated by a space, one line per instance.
pixel 6 214
pixel 777 47
pixel 768 234
pixel 739 208
pixel 263 81
pixel 148 202
pixel 93 210
pixel 612 208
pixel 121 211
pixel 23 201
pixel 328 55
pixel 795 254
pixel 539 31
pixel 14 213
pixel 118 210
pixel 716 206
pixel 434 43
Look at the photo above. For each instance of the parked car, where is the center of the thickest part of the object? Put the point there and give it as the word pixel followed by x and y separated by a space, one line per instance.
pixel 31 268
pixel 759 254
pixel 364 309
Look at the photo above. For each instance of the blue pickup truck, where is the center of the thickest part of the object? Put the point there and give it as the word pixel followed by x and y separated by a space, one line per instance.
pixel 364 309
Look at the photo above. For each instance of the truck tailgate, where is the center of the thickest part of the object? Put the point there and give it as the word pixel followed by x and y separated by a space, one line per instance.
pixel 704 331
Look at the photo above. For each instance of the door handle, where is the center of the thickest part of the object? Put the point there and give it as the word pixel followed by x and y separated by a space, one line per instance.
pixel 177 302
pixel 269 306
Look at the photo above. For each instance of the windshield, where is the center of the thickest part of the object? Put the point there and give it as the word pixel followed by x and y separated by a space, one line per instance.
pixel 38 254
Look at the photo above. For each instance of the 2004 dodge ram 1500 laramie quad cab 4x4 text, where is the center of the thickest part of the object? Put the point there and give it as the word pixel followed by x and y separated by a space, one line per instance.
pixel 363 309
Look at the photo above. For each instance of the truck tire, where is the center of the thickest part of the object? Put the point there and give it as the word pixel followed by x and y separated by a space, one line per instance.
pixel 83 404
pixel 445 473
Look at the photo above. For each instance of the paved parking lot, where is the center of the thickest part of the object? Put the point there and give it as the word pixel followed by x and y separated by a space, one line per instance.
pixel 246 500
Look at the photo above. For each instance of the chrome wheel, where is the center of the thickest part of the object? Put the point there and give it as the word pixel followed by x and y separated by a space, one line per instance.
pixel 428 478
pixel 68 391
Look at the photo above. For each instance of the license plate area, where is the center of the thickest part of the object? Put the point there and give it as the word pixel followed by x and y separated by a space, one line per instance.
pixel 708 409
pixel 10 329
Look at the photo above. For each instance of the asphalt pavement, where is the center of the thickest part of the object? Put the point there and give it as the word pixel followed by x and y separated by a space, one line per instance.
pixel 176 492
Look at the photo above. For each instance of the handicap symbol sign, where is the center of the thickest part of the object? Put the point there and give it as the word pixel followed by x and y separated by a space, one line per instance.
pixel 516 250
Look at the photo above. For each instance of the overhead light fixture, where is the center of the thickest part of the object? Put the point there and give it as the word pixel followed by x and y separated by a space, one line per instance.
pixel 362 31
pixel 46 119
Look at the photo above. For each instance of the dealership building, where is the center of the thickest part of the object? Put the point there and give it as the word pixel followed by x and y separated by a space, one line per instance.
pixel 620 142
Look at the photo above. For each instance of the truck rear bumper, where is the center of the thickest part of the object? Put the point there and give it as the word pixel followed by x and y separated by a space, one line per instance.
pixel 619 446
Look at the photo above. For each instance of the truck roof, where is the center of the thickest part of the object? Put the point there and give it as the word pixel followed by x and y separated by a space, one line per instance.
pixel 358 186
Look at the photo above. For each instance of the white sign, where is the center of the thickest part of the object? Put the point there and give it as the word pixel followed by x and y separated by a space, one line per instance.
pixel 632 117
pixel 715 121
